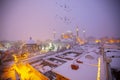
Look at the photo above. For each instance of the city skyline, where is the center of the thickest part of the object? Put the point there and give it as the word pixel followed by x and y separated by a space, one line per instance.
pixel 39 18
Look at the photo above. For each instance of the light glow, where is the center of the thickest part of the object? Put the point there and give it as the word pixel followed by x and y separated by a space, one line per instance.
pixel 98 73
pixel 97 41
pixel 27 72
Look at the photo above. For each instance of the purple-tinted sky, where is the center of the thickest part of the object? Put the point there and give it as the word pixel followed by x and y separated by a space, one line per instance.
pixel 21 19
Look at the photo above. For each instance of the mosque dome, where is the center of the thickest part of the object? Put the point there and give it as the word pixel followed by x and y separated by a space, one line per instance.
pixel 30 41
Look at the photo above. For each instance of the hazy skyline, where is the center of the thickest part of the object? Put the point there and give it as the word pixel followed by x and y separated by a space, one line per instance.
pixel 21 19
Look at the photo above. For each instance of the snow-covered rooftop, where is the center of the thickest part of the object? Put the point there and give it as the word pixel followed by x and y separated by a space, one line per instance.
pixel 114 54
pixel 85 72
pixel 90 62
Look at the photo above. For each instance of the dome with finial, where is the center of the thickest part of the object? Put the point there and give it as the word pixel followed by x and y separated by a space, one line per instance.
pixel 30 41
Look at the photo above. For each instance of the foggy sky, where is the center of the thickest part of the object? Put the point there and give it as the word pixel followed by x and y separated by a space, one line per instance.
pixel 21 19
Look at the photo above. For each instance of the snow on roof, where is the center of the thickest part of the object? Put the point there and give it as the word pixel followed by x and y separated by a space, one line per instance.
pixel 115 63
pixel 112 46
pixel 85 72
pixel 88 60
pixel 114 54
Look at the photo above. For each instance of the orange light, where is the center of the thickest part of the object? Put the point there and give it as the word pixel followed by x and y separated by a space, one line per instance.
pixel 98 73
pixel 26 72
pixel 111 41
pixel 80 41
pixel 15 58
pixel 97 41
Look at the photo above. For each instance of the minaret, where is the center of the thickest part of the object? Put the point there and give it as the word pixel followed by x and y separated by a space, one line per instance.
pixel 54 34
pixel 77 32
pixel 84 36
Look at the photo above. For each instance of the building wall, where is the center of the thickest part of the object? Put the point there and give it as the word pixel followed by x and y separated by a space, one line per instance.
pixel 60 77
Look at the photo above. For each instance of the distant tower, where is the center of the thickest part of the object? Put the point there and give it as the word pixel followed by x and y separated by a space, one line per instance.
pixel 84 36
pixel 77 32
pixel 54 34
